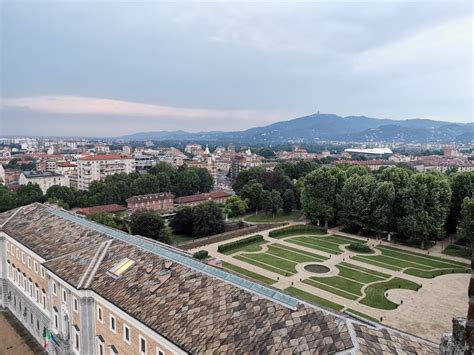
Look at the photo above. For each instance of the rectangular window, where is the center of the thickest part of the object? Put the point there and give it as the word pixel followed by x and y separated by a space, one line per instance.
pixel 18 254
pixel 126 334
pixel 43 272
pixel 75 304
pixel 76 340
pixel 23 258
pixel 55 291
pixel 112 323
pixel 29 262
pixel 44 300
pixel 56 321
pixel 64 296
pixel 99 314
pixel 35 264
pixel 100 347
pixel 142 345
pixel 159 351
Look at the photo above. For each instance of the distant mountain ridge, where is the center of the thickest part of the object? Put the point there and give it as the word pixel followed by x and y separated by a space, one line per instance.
pixel 328 127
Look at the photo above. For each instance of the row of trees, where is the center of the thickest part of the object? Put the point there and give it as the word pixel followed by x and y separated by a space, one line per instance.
pixel 199 221
pixel 116 188
pixel 398 200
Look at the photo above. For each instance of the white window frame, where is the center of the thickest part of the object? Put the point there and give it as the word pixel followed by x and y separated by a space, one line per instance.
pixel 114 322
pixel 56 321
pixel 55 289
pixel 159 351
pixel 23 257
pixel 29 262
pixel 140 338
pixel 35 266
pixel 100 314
pixel 18 253
pixel 125 326
pixel 76 342
pixel 64 296
pixel 43 272
pixel 100 345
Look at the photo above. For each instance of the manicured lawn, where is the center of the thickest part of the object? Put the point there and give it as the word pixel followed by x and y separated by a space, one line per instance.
pixel 328 288
pixel 316 257
pixel 179 238
pixel 273 261
pixel 341 283
pixel 248 273
pixel 360 314
pixel 459 251
pixel 375 294
pixel 262 265
pixel 313 298
pixel 433 273
pixel 372 261
pixel 364 270
pixel 270 218
pixel 318 243
pixel 297 257
pixel 427 260
pixel 253 247
pixel 357 275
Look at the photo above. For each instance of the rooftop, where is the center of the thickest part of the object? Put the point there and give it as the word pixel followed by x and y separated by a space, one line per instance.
pixel 40 174
pixel 150 197
pixel 198 307
pixel 106 157
pixel 102 208
pixel 202 197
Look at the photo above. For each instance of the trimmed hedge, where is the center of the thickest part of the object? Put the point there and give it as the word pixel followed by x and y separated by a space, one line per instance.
pixel 298 229
pixel 239 243
pixel 201 254
pixel 359 247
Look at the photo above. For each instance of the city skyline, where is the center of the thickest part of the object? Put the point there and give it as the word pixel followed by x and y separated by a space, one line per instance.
pixel 200 67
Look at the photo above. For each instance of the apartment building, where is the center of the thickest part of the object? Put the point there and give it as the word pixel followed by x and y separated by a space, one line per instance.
pixel 96 167
pixel 44 179
pixel 98 291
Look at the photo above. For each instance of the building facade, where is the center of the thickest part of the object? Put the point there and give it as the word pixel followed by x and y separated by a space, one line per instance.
pixel 96 167
pixel 83 288
pixel 45 179
pixel 156 202
pixel 193 200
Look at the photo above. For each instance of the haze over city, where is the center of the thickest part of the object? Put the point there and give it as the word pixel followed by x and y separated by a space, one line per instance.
pixel 108 69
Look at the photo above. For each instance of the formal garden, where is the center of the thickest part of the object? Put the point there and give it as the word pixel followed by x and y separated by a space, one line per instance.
pixel 332 270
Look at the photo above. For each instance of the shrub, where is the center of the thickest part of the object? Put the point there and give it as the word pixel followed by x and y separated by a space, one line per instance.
pixel 298 229
pixel 239 243
pixel 359 247
pixel 201 254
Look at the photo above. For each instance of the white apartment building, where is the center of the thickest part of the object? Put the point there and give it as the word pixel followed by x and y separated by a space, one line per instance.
pixel 44 179
pixel 97 167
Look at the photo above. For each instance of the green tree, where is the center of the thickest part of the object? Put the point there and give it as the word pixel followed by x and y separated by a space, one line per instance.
pixel 382 206
pixel 164 182
pixel 7 199
pixel 466 223
pixel 206 181
pixel 318 198
pixel 235 206
pixel 245 177
pixel 149 224
pixel 425 205
pixel 357 170
pixel 253 194
pixel 104 218
pixel 146 184
pixel 60 194
pixel 277 201
pixel 208 220
pixel 183 221
pixel 288 201
pixel 266 201
pixel 27 194
pixel 462 186
pixel 355 201
pixel 187 182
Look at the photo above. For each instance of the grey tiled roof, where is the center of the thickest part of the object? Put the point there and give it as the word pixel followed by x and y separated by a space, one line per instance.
pixel 196 311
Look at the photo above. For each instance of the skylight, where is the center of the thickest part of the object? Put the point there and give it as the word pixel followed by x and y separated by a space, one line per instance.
pixel 122 266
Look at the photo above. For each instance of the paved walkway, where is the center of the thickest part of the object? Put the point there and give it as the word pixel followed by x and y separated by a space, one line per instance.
pixel 427 312
pixel 15 339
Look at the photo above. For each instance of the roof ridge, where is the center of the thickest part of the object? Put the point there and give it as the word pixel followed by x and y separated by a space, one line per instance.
pixel 13 215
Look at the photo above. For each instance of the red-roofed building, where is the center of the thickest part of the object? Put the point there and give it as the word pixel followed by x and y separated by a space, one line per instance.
pixel 193 200
pixel 97 167
pixel 156 202
pixel 112 208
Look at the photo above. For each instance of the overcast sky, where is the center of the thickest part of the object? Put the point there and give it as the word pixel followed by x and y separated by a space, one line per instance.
pixel 109 68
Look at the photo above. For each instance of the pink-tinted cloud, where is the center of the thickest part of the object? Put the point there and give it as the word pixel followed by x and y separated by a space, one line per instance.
pixel 99 106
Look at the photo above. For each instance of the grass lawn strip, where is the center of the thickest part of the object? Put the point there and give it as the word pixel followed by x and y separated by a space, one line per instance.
pixel 262 265
pixel 375 293
pixel 343 240
pixel 253 247
pixel 330 289
pixel 341 283
pixel 274 261
pixel 398 262
pixel 363 269
pixel 313 298
pixel 427 261
pixel 318 243
pixel 358 276
pixel 248 273
pixel 369 260
pixel 269 218
pixel 312 246
pixel 360 314
pixel 433 273
pixel 435 258
pixel 299 251
pixel 289 255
